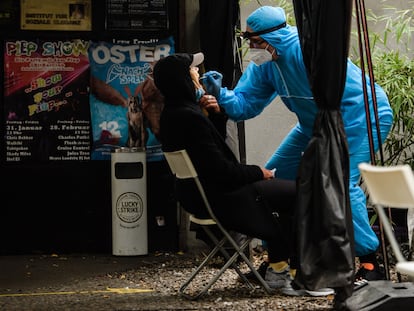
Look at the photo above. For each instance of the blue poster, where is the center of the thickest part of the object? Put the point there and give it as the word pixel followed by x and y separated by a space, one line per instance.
pixel 119 115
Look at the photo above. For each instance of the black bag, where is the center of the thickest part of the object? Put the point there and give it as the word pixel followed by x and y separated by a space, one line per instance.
pixel 323 220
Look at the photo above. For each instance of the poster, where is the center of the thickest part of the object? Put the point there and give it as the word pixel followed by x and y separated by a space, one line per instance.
pixel 136 15
pixel 46 101
pixel 118 110
pixel 71 15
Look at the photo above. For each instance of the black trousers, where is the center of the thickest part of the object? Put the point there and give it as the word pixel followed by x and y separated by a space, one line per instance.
pixel 262 210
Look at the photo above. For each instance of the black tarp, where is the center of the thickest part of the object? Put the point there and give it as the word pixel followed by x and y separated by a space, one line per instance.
pixel 218 20
pixel 324 229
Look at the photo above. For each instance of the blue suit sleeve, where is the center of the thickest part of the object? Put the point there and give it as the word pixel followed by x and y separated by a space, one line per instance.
pixel 252 94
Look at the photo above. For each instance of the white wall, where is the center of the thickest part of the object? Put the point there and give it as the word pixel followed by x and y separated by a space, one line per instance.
pixel 265 132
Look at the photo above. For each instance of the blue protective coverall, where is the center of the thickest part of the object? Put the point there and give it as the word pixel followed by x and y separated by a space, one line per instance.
pixel 286 77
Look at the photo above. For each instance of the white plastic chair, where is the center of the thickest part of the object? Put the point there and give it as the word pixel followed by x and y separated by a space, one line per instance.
pixel 182 167
pixel 393 187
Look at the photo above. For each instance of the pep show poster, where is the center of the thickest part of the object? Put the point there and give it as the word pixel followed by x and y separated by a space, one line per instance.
pixel 46 100
pixel 119 117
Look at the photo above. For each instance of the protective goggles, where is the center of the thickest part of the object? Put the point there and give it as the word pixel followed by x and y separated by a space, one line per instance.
pixel 248 35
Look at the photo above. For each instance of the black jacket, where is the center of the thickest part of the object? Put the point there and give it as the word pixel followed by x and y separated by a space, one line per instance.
pixel 183 125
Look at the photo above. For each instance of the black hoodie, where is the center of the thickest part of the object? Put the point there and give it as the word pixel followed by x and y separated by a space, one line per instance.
pixel 183 125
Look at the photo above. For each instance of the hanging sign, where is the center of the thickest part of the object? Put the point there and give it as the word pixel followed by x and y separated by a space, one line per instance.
pixel 139 15
pixel 73 15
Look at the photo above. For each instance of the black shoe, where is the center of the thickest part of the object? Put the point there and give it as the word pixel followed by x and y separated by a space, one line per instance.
pixel 262 271
pixel 370 275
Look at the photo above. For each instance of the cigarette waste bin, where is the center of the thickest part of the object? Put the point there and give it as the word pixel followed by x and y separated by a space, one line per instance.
pixel 129 202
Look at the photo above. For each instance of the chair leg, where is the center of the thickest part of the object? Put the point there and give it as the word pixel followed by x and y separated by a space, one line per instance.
pixel 227 255
pixel 384 252
pixel 230 261
pixel 257 275
pixel 241 253
pixel 197 270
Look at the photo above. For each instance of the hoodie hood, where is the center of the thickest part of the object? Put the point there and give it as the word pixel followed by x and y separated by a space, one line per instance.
pixel 267 17
pixel 172 76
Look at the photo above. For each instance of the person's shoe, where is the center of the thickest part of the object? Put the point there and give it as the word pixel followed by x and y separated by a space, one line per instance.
pixel 369 272
pixel 277 279
pixel 288 290
pixel 262 271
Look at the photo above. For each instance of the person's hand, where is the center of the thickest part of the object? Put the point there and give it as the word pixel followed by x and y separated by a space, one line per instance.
pixel 267 174
pixel 209 102
pixel 212 81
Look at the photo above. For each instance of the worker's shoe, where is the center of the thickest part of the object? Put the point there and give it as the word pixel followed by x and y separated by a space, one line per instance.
pixel 369 272
pixel 321 292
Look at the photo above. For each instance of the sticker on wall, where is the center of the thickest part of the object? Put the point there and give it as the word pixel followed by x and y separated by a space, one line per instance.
pixel 71 15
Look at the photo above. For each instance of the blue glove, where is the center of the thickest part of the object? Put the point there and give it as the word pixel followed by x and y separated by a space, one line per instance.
pixel 211 81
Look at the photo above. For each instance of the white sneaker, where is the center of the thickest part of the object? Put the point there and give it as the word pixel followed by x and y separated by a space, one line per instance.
pixel 277 279
pixel 321 292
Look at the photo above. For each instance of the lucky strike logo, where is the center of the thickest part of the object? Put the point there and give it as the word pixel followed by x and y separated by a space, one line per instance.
pixel 129 207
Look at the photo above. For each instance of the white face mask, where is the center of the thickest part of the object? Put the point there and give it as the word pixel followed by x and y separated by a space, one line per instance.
pixel 260 56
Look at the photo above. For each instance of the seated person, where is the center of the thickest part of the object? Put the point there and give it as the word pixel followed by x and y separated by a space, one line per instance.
pixel 245 198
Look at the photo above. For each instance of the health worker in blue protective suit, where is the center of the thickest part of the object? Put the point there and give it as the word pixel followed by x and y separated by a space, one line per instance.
pixel 277 69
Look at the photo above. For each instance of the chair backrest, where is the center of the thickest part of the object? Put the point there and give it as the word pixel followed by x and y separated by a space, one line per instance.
pixel 182 167
pixel 180 164
pixel 391 186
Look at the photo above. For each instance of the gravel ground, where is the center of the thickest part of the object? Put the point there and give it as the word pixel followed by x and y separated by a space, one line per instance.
pixel 139 283
pixel 152 284
pixel 228 293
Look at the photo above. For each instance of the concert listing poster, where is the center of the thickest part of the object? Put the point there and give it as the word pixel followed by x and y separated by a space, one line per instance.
pixel 46 100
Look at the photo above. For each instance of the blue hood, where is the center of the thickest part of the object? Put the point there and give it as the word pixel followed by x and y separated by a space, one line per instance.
pixel 267 17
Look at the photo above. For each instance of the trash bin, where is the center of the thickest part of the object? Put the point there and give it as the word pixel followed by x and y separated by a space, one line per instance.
pixel 129 202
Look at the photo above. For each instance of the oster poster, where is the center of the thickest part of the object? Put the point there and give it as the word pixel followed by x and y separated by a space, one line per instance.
pixel 119 114
pixel 56 15
pixel 46 100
